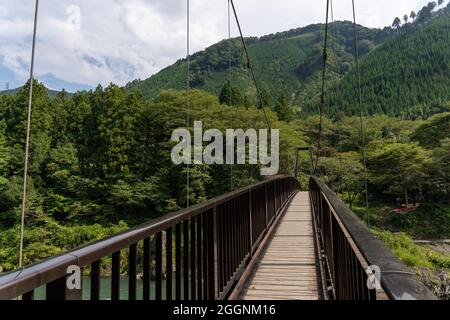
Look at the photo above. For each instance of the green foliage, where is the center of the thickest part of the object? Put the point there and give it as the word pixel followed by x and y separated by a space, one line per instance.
pixel 231 96
pixel 430 221
pixel 283 108
pixel 62 168
pixel 344 174
pixel 432 132
pixel 427 110
pixel 412 254
pixel 398 168
pixel 49 239
pixel 440 169
pixel 4 156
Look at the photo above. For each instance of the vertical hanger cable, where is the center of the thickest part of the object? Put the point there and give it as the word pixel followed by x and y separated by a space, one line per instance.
pixel 188 88
pixel 361 119
pixel 27 140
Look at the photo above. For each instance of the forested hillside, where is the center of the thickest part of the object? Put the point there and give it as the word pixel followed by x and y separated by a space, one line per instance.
pixel 405 70
pixel 404 75
pixel 288 61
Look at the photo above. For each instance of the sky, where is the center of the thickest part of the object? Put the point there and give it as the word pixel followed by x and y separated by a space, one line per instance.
pixel 82 43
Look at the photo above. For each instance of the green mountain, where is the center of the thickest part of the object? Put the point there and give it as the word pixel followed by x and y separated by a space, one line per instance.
pixel 404 69
pixel 403 76
pixel 290 60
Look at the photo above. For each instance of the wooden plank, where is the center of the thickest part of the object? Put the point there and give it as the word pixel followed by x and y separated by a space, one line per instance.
pixel 287 268
pixel 305 288
pixel 286 275
pixel 262 298
pixel 303 275
pixel 280 294
pixel 275 282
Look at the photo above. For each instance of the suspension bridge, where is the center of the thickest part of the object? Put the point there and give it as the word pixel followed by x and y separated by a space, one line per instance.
pixel 269 241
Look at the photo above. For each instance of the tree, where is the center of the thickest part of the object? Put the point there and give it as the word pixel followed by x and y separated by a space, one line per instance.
pixel 115 145
pixel 398 168
pixel 413 15
pixel 397 23
pixel 231 96
pixel 62 169
pixel 432 131
pixel 266 96
pixel 405 18
pixel 440 2
pixel 283 108
pixel 15 116
pixel 344 174
pixel 432 5
pixel 4 174
pixel 4 156
pixel 425 14
pixel 440 168
pixel 200 178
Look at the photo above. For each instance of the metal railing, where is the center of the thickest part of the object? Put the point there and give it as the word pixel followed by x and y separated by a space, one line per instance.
pixel 197 253
pixel 349 248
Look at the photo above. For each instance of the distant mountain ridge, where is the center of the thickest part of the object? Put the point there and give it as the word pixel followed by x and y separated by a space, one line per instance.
pixel 51 93
pixel 52 83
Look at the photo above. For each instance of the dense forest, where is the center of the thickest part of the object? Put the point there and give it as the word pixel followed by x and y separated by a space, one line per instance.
pixel 405 74
pixel 100 160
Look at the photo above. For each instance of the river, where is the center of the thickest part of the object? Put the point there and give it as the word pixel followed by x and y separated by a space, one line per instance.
pixel 105 289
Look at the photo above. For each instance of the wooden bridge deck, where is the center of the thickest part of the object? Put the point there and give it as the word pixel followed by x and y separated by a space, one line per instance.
pixel 286 268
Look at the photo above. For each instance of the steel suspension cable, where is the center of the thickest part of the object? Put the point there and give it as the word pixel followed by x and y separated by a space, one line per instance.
pixel 188 89
pixel 250 67
pixel 322 96
pixel 339 142
pixel 362 135
pixel 27 140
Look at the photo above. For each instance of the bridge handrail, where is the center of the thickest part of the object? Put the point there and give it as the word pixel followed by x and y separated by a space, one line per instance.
pixel 397 280
pixel 209 222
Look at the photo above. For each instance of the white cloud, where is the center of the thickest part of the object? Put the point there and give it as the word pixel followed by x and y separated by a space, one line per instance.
pixel 99 41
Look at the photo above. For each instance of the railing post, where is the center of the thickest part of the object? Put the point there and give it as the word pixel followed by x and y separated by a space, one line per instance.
pixel 57 290
pixel 251 220
pixel 213 276
pixel 28 296
pixel 265 202
pixel 334 248
pixel 275 197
